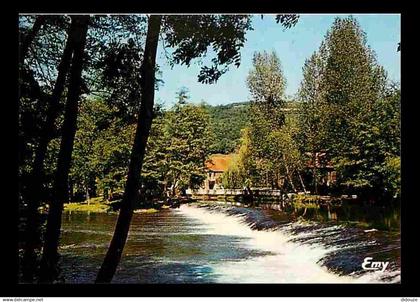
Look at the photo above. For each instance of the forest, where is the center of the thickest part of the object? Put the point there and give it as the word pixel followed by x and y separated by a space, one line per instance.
pixel 89 125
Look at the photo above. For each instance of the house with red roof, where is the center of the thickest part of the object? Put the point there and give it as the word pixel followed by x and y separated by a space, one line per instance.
pixel 215 166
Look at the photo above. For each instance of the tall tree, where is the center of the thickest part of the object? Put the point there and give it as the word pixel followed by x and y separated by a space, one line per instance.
pixel 354 83
pixel 188 137
pixel 342 93
pixel 41 81
pixel 131 193
pixel 37 175
pixel 348 80
pixel 267 85
pixel 177 149
pixel 84 166
pixel 313 110
pixel 27 39
pixel 265 80
pixel 48 269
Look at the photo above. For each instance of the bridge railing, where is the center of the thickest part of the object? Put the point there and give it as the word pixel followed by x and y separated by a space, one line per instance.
pixel 255 191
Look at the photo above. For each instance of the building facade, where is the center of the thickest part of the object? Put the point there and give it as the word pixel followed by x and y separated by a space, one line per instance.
pixel 215 166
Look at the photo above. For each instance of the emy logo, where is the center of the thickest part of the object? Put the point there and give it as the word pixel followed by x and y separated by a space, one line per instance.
pixel 370 265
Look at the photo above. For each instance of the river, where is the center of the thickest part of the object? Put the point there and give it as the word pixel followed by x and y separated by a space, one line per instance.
pixel 201 243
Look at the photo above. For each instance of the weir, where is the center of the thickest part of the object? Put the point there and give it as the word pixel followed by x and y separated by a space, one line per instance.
pixel 219 243
pixel 296 251
pixel 250 196
pixel 233 192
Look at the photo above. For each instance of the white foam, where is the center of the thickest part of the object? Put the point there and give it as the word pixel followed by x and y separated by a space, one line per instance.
pixel 289 262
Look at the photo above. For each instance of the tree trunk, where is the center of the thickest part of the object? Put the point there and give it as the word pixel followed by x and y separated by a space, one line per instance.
pixel 26 41
pixel 301 182
pixel 87 192
pixel 48 269
pixel 71 191
pixel 314 173
pixel 37 173
pixel 288 174
pixel 165 187
pixel 144 122
pixel 251 195
pixel 174 186
pixel 29 37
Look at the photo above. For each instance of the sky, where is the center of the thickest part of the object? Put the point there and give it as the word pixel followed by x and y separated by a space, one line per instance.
pixel 293 46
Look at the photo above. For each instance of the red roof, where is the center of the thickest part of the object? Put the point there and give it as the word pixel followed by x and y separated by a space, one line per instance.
pixel 218 162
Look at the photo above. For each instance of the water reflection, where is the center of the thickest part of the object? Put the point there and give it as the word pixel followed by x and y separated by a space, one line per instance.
pixel 163 247
pixel 379 217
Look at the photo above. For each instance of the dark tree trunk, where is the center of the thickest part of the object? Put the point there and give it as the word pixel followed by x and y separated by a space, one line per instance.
pixel 315 173
pixel 37 174
pixel 301 181
pixel 289 176
pixel 250 195
pixel 87 192
pixel 71 190
pixel 27 75
pixel 27 40
pixel 144 123
pixel 48 269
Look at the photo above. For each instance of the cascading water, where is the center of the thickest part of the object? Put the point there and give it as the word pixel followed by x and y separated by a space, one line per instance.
pixel 297 252
pixel 210 243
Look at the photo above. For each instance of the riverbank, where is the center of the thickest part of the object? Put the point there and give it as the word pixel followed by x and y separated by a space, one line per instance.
pixel 98 205
pixel 93 205
pixel 300 207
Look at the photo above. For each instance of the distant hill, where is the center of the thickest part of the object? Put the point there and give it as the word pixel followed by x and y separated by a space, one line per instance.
pixel 227 122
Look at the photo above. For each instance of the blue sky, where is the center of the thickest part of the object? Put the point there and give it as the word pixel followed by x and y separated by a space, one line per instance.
pixel 293 46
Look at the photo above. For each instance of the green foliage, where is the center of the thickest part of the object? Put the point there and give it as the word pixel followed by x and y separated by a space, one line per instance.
pixel 268 149
pixel 265 80
pixel 191 35
pixel 186 137
pixel 347 109
pixel 175 156
pixel 313 108
pixel 111 154
pixel 349 83
pixel 101 150
pixel 350 110
pixel 242 168
pixel 392 174
pixel 226 122
pixel 121 75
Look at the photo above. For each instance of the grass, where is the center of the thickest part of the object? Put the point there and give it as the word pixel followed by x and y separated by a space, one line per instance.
pixel 360 224
pixel 95 206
